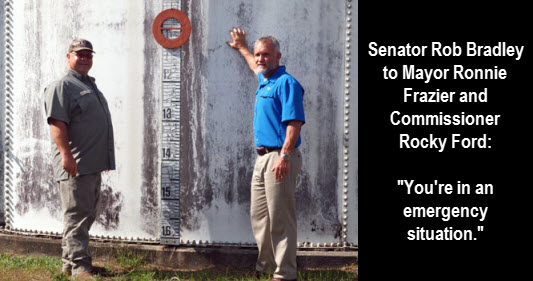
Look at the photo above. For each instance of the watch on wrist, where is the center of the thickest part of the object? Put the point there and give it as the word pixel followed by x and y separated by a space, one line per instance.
pixel 285 157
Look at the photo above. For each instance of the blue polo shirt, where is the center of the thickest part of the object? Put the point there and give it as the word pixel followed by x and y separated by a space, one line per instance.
pixel 278 99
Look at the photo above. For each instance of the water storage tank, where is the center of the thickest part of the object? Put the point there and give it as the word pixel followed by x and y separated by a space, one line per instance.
pixel 182 116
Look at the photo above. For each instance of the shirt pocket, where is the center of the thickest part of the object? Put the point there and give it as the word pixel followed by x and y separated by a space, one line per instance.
pixel 85 100
pixel 267 92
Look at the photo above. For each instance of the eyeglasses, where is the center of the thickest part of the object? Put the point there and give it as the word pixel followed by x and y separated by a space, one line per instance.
pixel 83 56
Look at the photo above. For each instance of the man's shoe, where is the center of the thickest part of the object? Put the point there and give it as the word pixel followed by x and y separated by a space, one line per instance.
pixel 84 276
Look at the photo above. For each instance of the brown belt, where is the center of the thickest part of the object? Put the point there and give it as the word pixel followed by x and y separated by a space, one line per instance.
pixel 264 150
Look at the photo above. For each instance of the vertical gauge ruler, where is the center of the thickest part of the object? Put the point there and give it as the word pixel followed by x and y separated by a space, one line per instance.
pixel 170 134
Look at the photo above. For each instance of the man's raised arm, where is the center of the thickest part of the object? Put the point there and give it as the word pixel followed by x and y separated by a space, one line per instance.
pixel 239 43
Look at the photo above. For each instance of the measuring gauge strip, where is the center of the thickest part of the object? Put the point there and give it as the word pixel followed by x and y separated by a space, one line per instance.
pixel 170 154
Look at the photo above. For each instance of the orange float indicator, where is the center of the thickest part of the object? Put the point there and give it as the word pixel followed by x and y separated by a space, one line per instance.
pixel 157 28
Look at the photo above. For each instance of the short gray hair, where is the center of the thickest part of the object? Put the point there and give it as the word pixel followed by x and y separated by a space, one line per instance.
pixel 272 39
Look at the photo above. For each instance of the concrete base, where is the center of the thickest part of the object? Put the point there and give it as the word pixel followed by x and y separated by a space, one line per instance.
pixel 178 257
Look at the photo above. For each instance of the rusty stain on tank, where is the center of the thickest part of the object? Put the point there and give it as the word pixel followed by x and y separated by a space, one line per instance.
pixel 243 14
pixel 316 206
pixel 244 177
pixel 149 189
pixel 36 190
pixel 227 177
pixel 109 207
pixel 196 193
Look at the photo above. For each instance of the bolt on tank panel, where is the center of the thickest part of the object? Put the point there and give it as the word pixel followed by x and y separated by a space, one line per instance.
pixel 126 71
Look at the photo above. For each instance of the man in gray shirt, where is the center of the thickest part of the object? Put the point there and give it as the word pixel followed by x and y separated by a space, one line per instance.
pixel 82 147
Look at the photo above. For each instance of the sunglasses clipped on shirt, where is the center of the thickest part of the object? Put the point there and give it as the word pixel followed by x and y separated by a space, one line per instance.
pixel 83 56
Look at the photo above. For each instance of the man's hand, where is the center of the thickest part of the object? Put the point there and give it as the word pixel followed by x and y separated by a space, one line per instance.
pixel 281 167
pixel 69 164
pixel 239 38
pixel 239 43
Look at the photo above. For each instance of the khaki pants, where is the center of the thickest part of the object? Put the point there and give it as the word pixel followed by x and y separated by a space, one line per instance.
pixel 273 215
pixel 79 197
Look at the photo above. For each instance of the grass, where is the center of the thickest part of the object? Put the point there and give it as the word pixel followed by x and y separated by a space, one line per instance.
pixel 129 259
pixel 131 266
pixel 28 268
pixel 29 263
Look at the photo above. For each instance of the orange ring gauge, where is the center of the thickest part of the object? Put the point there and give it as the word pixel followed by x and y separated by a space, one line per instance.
pixel 157 28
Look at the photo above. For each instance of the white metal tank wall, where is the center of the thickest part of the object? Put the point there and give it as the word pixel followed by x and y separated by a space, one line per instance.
pixel 218 106
pixel 124 68
pixel 217 148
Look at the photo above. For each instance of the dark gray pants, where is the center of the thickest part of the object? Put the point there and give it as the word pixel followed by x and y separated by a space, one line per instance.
pixel 79 197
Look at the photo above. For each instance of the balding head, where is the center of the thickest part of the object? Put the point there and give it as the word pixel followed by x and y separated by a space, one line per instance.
pixel 270 39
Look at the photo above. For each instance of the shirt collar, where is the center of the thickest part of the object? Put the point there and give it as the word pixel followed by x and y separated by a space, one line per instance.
pixel 77 74
pixel 274 76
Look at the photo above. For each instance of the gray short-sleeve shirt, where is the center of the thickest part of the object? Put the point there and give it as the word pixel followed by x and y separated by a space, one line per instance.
pixel 75 100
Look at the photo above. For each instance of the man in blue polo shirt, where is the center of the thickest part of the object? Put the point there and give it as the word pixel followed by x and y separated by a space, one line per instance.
pixel 278 117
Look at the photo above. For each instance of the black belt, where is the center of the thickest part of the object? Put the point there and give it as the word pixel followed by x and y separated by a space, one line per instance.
pixel 264 150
